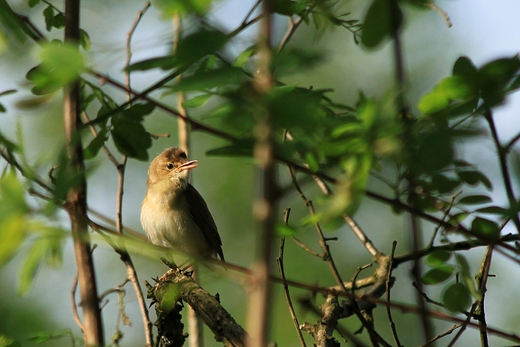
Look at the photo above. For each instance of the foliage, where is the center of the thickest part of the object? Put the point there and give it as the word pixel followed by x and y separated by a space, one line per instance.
pixel 310 132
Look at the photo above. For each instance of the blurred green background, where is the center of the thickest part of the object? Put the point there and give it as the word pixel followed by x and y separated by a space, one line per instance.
pixel 482 30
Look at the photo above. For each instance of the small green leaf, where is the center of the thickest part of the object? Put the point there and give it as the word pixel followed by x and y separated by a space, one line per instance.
pixel 59 21
pixel 466 276
pixel 210 79
pixel 31 264
pixel 196 101
pixel 438 274
pixel 171 8
pixel 33 3
pixel 243 57
pixel 444 184
pixel 485 228
pixel 456 298
pixel 494 210
pixel 168 294
pixel 283 230
pixel 457 218
pixel 464 67
pixel 473 177
pixel 438 258
pixel 243 148
pixel 312 161
pixel 95 145
pixel 84 40
pixel 48 14
pixel 165 63
pixel 475 200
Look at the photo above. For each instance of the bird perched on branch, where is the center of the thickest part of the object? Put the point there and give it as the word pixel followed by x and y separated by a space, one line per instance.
pixel 173 213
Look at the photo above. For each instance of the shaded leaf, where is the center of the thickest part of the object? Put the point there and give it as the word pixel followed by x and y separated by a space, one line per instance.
pixel 456 298
pixel 486 228
pixel 464 67
pixel 31 265
pixel 475 200
pixel 382 20
pixel 494 210
pixel 438 274
pixel 242 148
pixel 438 258
pixel 196 101
pixel 130 137
pixel 95 145
pixel 210 79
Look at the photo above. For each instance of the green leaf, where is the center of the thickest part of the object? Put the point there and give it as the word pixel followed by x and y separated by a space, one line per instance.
pixel 466 276
pixel 438 274
pixel 95 145
pixel 61 65
pixel 457 218
pixel 12 23
pixel 494 210
pixel 382 20
pixel 196 101
pixel 84 40
pixel 165 63
pixel 198 45
pixel 444 184
pixel 475 200
pixel 464 67
pixel 31 265
pixel 210 79
pixel 312 161
pixel 130 137
pixel 33 3
pixel 138 111
pixel 243 57
pixel 48 14
pixel 7 342
pixel 485 228
pixel 438 258
pixel 456 298
pixel 171 8
pixel 241 148
pixel 473 177
pixel 283 230
pixel 59 21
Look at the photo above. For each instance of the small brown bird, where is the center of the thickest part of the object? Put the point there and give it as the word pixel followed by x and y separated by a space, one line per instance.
pixel 173 213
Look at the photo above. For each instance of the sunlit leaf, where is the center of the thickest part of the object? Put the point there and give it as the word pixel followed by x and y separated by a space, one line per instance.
pixel 283 230
pixel 171 8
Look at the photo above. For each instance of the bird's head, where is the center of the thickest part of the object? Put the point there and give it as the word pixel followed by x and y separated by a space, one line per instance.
pixel 171 167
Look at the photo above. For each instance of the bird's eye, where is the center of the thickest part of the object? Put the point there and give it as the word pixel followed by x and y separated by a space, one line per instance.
pixel 170 166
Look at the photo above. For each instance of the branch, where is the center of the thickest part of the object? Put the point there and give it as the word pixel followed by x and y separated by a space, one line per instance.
pixel 76 202
pixel 177 284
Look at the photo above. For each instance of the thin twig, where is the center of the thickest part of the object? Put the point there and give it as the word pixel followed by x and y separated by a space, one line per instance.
pixel 307 249
pixel 506 176
pixel 388 286
pixel 447 332
pixel 286 288
pixel 75 314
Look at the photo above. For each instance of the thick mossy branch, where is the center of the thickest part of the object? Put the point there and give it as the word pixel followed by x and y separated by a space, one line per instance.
pixel 178 285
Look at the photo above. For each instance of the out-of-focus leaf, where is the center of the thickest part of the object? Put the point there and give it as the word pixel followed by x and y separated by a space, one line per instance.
pixel 61 65
pixel 382 20
pixel 31 264
pixel 165 63
pixel 474 177
pixel 494 210
pixel 243 57
pixel 290 7
pixel 457 218
pixel 168 294
pixel 210 79
pixel 438 274
pixel 466 276
pixel 475 200
pixel 456 298
pixel 283 230
pixel 196 101
pixel 48 14
pixel 59 21
pixel 198 45
pixel 84 40
pixel 12 22
pixel 13 223
pixel 464 67
pixel 438 258
pixel 433 151
pixel 171 8
pixel 294 60
pixel 494 77
pixel 242 148
pixel 138 111
pixel 444 184
pixel 485 228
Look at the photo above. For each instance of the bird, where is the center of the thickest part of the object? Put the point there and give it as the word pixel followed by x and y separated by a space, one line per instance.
pixel 173 213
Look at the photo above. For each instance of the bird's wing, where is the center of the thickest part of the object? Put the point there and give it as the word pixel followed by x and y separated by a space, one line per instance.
pixel 202 217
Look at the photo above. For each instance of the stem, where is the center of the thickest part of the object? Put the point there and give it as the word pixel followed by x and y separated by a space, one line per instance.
pixel 76 202
pixel 266 205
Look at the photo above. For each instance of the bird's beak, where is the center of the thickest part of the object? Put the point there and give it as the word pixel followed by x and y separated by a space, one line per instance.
pixel 192 164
